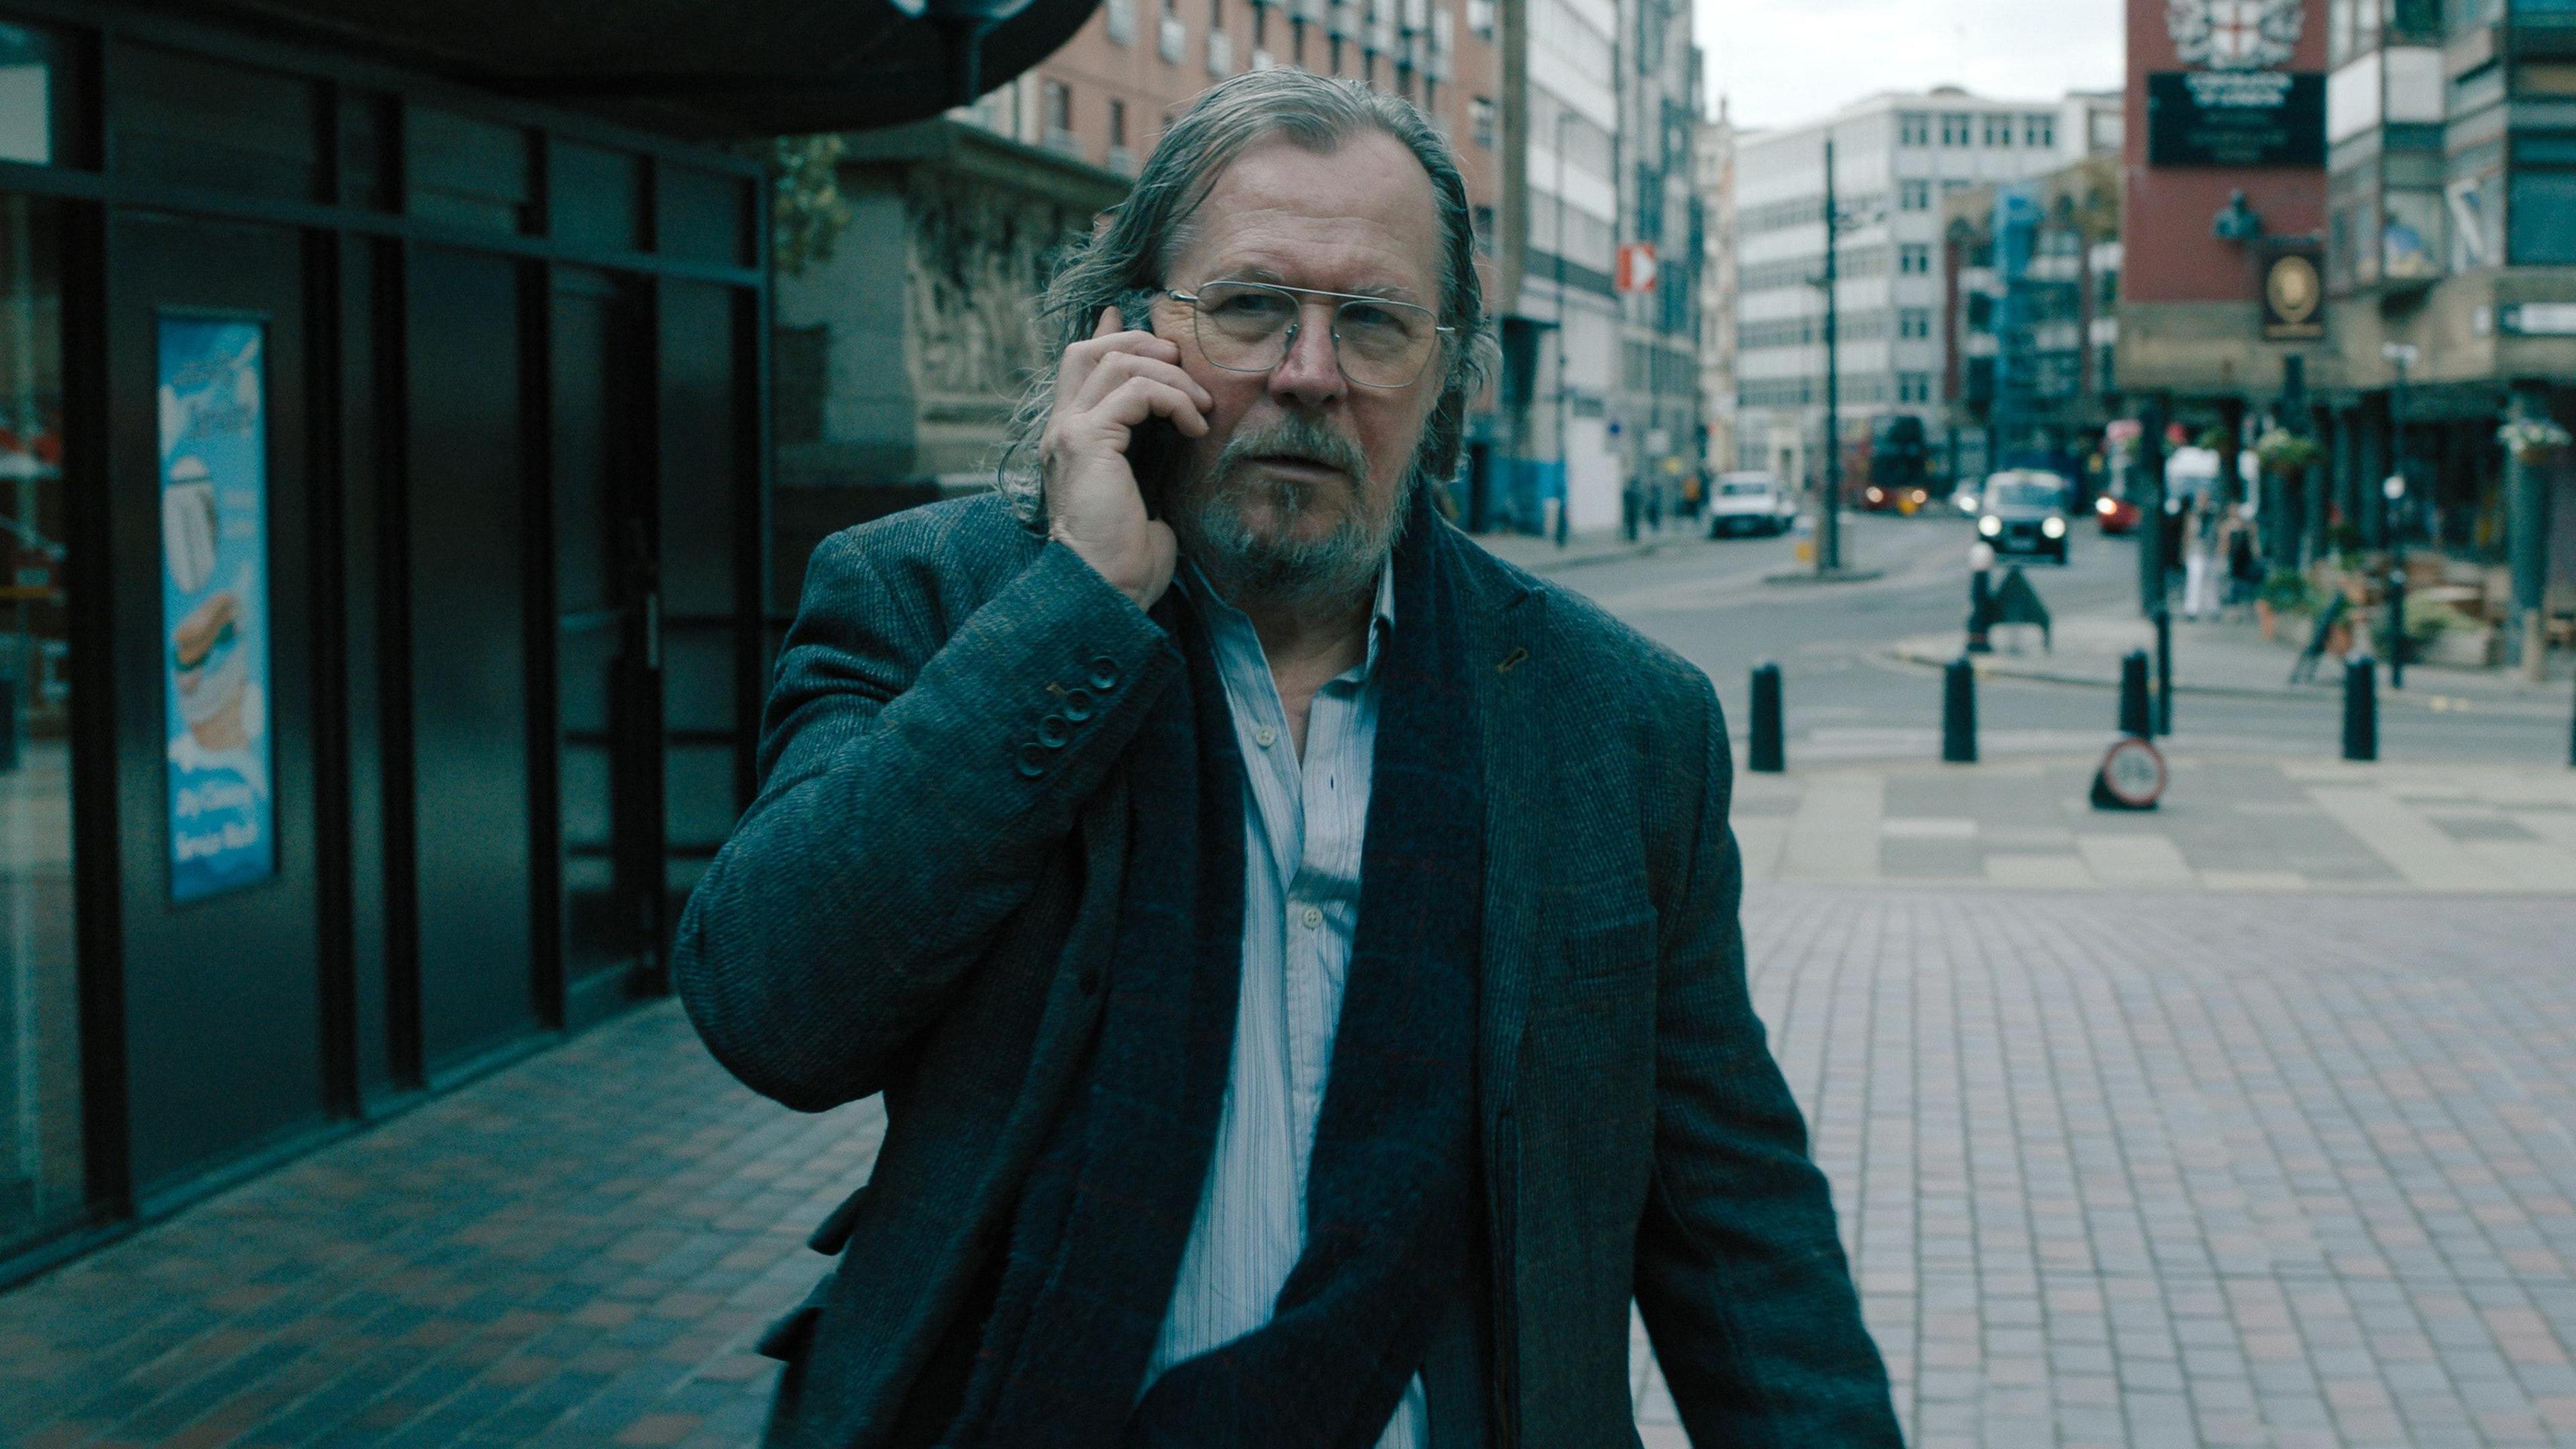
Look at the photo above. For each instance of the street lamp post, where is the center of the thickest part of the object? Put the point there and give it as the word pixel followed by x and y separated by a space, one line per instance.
pixel 1829 516
pixel 2400 356
pixel 1829 526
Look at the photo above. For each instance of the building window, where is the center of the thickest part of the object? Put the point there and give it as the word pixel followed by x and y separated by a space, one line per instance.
pixel 1480 111
pixel 1956 129
pixel 1914 322
pixel 1297 39
pixel 1914 387
pixel 1914 259
pixel 1480 18
pixel 1913 128
pixel 42 1188
pixel 2040 131
pixel 2540 201
pixel 1118 125
pixel 1914 195
pixel 1484 231
pixel 1055 113
pixel 1119 18
pixel 1216 14
pixel 1999 130
pixel 1260 24
pixel 1337 55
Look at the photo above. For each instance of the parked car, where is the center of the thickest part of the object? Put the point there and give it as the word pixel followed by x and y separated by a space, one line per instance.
pixel 2024 511
pixel 1749 502
pixel 2117 515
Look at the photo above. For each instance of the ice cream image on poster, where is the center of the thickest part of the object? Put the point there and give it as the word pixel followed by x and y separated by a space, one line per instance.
pixel 214 603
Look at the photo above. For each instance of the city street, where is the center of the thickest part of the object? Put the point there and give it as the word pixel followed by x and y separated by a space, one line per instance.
pixel 2245 1123
pixel 1847 698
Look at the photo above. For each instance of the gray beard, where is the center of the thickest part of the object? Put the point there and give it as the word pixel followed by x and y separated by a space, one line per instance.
pixel 1248 566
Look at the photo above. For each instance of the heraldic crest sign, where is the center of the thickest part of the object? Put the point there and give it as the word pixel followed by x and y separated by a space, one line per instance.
pixel 2235 34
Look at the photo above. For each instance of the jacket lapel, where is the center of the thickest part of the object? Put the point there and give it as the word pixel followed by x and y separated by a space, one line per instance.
pixel 1505 622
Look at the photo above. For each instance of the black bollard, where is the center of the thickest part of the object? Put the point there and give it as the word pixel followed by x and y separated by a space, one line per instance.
pixel 8 723
pixel 2164 671
pixel 1981 611
pixel 1770 754
pixel 1959 713
pixel 2134 717
pixel 2360 708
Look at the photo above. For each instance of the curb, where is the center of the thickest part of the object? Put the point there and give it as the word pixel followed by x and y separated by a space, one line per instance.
pixel 1558 563
pixel 2526 708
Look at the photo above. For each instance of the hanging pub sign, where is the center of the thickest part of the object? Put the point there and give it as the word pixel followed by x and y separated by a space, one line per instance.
pixel 2236 106
pixel 214 603
pixel 2294 293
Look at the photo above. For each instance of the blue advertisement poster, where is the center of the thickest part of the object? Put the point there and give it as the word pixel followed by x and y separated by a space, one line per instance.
pixel 214 603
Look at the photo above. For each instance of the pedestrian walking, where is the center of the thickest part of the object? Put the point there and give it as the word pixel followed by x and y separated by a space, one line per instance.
pixel 2244 562
pixel 1091 836
pixel 2200 559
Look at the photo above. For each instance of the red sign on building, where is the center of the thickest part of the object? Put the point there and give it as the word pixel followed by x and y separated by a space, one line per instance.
pixel 1636 267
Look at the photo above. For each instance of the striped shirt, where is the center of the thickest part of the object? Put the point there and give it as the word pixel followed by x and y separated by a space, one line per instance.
pixel 1302 828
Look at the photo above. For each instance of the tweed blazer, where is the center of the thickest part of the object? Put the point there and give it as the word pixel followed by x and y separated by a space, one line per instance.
pixel 920 903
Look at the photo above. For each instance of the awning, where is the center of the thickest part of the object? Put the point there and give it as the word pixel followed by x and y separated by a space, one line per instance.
pixel 695 67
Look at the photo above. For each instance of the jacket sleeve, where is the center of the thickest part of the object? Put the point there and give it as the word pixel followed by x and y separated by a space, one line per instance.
pixel 914 780
pixel 1740 1277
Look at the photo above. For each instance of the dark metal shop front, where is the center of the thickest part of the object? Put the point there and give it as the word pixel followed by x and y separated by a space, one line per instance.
pixel 381 470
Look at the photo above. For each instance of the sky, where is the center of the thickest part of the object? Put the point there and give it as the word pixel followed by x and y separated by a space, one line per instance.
pixel 1782 62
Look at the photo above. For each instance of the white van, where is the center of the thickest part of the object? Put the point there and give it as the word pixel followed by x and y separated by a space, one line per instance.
pixel 1749 502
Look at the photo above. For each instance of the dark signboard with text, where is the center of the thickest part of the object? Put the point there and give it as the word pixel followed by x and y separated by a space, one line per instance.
pixel 2236 118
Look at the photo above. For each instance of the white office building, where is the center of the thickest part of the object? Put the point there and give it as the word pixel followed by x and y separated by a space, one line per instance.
pixel 1571 162
pixel 1895 156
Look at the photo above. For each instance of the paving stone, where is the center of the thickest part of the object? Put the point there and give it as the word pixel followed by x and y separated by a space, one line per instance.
pixel 2141 1169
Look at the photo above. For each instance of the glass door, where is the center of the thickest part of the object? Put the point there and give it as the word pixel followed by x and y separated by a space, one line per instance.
pixel 608 614
pixel 40 1104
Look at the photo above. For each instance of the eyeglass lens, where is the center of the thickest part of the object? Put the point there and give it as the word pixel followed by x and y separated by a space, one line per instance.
pixel 1244 327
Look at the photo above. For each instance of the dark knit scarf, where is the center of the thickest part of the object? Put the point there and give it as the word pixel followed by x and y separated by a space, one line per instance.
pixel 1097 1238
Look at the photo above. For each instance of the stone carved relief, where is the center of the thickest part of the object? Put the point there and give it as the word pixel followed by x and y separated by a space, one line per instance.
pixel 980 257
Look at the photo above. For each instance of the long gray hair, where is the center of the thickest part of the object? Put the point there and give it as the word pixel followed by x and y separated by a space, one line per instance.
pixel 1148 228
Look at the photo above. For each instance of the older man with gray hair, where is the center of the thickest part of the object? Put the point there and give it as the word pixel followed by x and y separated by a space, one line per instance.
pixel 1298 951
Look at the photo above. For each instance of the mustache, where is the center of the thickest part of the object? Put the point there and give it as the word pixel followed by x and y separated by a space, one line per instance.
pixel 1302 438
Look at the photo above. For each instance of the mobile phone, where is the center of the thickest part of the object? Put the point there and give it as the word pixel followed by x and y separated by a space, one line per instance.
pixel 1154 445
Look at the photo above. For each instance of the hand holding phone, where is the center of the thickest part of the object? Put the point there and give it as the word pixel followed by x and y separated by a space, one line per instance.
pixel 1122 405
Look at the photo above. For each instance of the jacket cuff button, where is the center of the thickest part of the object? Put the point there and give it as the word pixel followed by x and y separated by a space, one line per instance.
pixel 1033 760
pixel 1104 673
pixel 1077 705
pixel 1053 732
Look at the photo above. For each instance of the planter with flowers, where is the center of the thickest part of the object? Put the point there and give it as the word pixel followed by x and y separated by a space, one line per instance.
pixel 2287 454
pixel 2532 440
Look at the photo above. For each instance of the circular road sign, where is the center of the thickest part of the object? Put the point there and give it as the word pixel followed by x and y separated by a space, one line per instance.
pixel 2134 773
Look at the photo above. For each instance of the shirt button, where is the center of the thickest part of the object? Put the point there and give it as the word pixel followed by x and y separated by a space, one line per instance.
pixel 1265 737
pixel 1312 917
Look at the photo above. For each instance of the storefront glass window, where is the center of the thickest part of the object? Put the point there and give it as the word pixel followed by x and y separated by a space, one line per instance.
pixel 26 95
pixel 40 1107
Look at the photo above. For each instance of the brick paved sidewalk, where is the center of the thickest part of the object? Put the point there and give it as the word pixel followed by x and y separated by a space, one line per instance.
pixel 2228 1170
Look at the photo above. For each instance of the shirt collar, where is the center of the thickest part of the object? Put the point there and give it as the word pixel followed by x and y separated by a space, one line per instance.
pixel 1381 618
